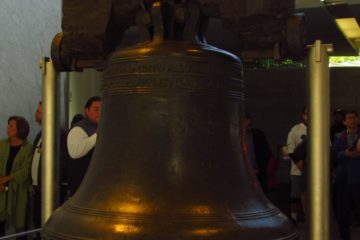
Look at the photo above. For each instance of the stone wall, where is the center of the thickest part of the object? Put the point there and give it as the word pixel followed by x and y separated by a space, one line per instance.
pixel 26 31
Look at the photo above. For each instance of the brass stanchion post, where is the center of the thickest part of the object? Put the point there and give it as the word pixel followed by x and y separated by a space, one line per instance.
pixel 319 141
pixel 50 143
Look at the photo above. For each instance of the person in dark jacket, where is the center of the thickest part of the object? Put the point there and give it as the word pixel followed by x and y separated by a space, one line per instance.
pixel 259 151
pixel 81 141
pixel 347 178
pixel 338 126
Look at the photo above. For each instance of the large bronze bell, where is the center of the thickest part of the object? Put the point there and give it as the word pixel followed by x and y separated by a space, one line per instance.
pixel 168 163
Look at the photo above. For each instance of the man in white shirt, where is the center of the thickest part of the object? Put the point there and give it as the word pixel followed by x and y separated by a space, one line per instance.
pixel 35 171
pixel 296 136
pixel 81 141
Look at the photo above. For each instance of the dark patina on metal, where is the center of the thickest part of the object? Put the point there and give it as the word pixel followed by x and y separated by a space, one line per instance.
pixel 168 163
pixel 92 29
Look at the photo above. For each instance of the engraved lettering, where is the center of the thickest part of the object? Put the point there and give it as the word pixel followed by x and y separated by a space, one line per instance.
pixel 159 74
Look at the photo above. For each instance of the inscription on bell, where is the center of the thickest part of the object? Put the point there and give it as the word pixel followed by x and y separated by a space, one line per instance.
pixel 121 68
pixel 143 76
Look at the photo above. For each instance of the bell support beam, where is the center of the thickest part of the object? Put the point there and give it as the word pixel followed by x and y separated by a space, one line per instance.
pixel 319 141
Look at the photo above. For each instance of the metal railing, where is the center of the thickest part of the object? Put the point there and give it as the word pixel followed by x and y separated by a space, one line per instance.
pixel 33 231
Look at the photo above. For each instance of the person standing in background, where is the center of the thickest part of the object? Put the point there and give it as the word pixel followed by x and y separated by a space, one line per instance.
pixel 338 126
pixel 81 141
pixel 35 191
pixel 295 137
pixel 258 150
pixel 347 179
pixel 15 158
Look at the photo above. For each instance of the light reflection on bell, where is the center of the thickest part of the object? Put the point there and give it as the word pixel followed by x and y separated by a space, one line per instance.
pixel 168 163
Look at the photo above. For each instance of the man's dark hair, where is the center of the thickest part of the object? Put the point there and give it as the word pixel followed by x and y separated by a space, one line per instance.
pixel 90 101
pixel 22 126
pixel 351 112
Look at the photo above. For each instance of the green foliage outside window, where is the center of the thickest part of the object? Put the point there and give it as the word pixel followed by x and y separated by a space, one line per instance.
pixel 272 63
pixel 344 61
pixel 334 61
